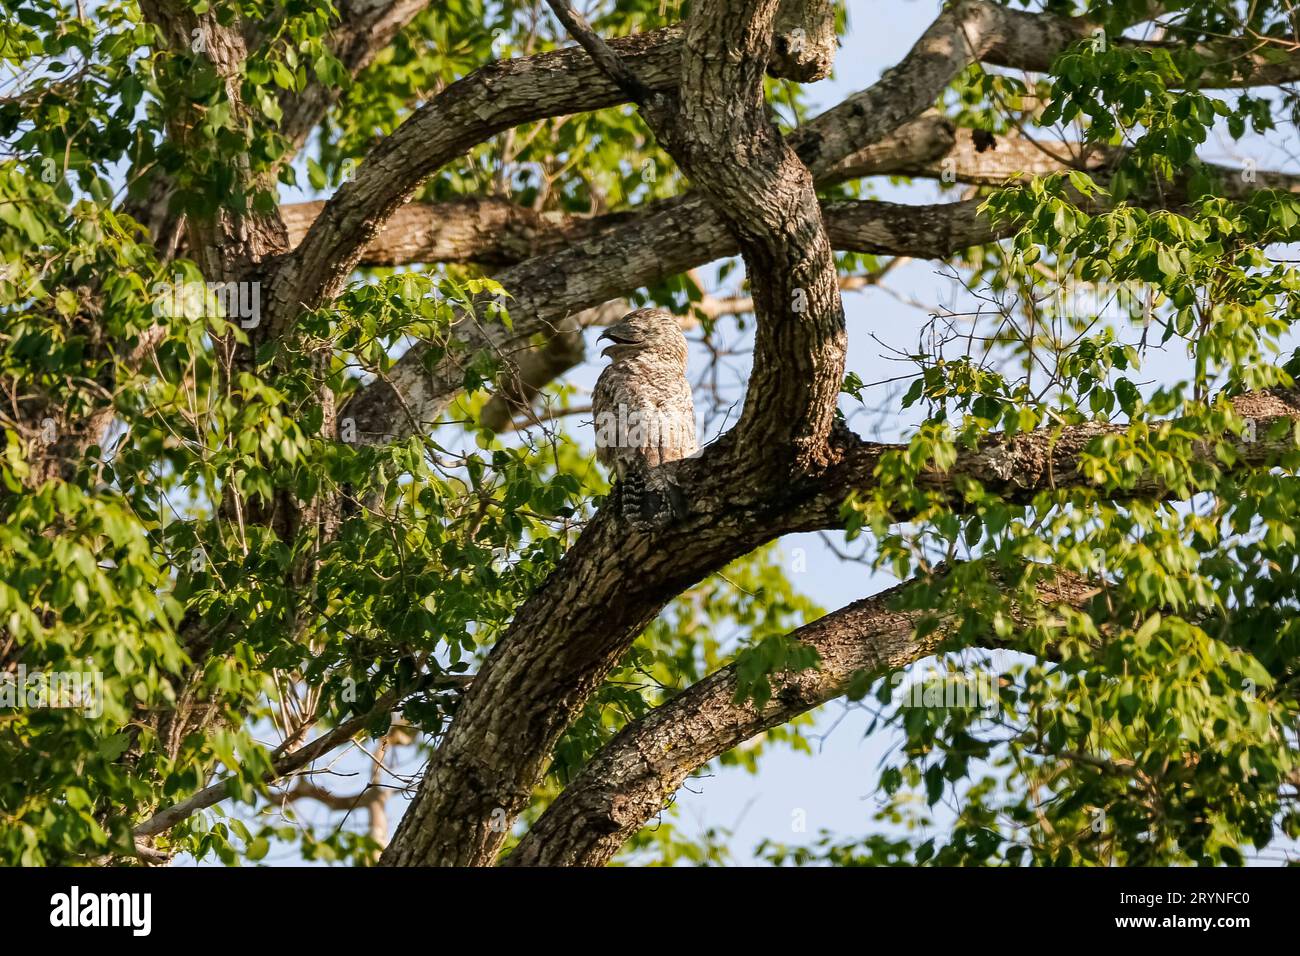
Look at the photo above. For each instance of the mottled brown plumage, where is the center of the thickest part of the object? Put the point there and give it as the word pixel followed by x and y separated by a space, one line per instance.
pixel 642 408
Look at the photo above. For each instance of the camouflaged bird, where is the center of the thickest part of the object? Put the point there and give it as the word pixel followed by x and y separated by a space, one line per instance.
pixel 644 414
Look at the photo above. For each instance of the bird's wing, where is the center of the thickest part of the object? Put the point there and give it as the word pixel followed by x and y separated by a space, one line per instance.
pixel 619 410
pixel 675 409
pixel 604 402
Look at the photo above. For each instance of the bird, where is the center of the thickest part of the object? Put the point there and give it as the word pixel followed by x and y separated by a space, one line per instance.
pixel 644 414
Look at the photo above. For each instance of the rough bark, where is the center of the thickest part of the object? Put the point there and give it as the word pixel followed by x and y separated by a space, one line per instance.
pixel 724 140
pixel 486 230
pixel 633 776
pixel 804 41
pixel 365 27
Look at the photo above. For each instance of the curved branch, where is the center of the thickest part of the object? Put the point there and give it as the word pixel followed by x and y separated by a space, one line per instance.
pixel 468 112
pixel 727 145
pixel 638 771
pixel 903 94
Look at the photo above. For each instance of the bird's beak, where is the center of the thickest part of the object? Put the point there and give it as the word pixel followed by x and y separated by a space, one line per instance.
pixel 620 334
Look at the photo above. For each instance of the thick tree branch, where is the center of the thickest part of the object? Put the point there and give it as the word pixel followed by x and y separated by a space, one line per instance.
pixel 496 232
pixel 931 148
pixel 632 776
pixel 605 58
pixel 503 95
pixel 486 230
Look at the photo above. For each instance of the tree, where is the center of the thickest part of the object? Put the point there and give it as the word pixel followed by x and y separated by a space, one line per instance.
pixel 283 476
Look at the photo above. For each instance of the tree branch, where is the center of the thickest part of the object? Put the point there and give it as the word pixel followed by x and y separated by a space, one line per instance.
pixel 722 110
pixel 932 148
pixel 605 58
pixel 725 142
pixel 804 41
pixel 486 230
pixel 639 770
pixel 904 93
pixel 213 794
pixel 1017 468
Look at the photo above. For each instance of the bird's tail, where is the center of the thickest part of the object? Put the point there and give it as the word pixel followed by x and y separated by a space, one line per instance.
pixel 648 499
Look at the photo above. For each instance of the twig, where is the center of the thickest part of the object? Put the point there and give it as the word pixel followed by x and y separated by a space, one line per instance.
pixel 604 57
pixel 165 819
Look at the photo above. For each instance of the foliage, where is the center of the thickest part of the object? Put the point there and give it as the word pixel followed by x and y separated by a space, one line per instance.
pixel 1154 724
